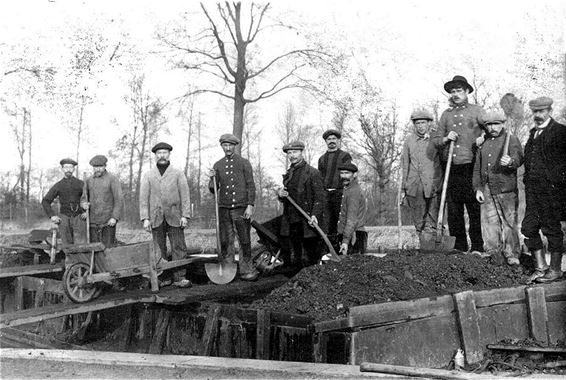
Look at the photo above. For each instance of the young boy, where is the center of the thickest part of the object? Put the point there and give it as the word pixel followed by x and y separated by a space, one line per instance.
pixel 495 184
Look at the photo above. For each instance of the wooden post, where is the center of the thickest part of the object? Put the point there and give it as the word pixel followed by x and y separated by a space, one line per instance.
pixel 263 337
pixel 320 341
pixel 210 329
pixel 160 333
pixel 537 314
pixel 152 268
pixel 19 294
pixel 468 324
pixel 40 294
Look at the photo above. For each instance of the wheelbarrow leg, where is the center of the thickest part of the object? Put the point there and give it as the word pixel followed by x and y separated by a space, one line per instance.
pixel 152 269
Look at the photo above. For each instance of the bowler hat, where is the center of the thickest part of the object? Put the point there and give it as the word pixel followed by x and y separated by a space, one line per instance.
pixel 493 117
pixel 421 114
pixel 161 145
pixel 98 160
pixel 540 103
pixel 458 81
pixel 229 138
pixel 294 145
pixel 348 166
pixel 67 161
pixel 331 132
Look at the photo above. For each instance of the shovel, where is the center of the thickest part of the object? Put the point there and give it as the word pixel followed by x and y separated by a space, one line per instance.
pixel 437 241
pixel 332 252
pixel 222 272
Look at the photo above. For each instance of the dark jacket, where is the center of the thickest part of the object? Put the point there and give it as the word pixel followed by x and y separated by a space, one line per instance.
pixel 487 169
pixel 328 168
pixel 352 212
pixel 69 191
pixel 304 184
pixel 553 140
pixel 235 180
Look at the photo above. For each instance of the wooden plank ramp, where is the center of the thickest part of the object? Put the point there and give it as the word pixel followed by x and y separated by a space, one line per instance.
pixel 30 270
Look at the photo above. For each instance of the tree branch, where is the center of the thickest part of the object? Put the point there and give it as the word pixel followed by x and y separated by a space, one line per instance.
pixel 298 52
pixel 219 42
pixel 258 23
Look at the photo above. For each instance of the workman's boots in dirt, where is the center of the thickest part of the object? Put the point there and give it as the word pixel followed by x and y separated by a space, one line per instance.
pixel 555 271
pixel 540 265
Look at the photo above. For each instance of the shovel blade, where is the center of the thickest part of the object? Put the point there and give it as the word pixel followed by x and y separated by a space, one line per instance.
pixel 437 243
pixel 221 273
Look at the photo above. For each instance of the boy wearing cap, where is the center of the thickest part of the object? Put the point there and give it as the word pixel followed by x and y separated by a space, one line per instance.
pixel 304 184
pixel 236 199
pixel 545 186
pixel 69 191
pixel 102 196
pixel 351 223
pixel 461 124
pixel 421 174
pixel 165 207
pixel 495 183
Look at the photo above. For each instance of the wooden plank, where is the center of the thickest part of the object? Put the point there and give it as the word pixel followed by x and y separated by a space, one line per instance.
pixel 290 320
pixel 49 285
pixel 40 294
pixel 490 297
pixel 153 281
pixel 555 290
pixel 83 248
pixel 509 347
pixel 333 325
pixel 19 294
pixel 156 346
pixel 538 315
pixel 418 371
pixel 320 341
pixel 35 340
pixel 263 334
pixel 468 323
pixel 30 270
pixel 210 329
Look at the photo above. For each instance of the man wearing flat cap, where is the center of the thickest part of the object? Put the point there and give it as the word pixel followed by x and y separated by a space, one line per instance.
pixel 545 186
pixel 495 183
pixel 236 199
pixel 102 197
pixel 422 174
pixel 460 124
pixel 165 207
pixel 304 185
pixel 69 190
pixel 328 168
pixel 352 220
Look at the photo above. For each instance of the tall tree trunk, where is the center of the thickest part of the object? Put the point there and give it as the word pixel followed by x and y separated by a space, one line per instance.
pixel 80 131
pixel 189 135
pixel 29 157
pixel 198 194
pixel 130 195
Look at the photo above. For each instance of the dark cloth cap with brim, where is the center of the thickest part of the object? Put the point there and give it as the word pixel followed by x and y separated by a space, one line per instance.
pixel 458 81
pixel 98 160
pixel 540 103
pixel 294 145
pixel 493 117
pixel 229 138
pixel 65 161
pixel 161 145
pixel 331 132
pixel 348 166
pixel 421 115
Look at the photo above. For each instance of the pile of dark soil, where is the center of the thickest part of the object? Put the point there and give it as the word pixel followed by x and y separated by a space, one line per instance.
pixel 327 291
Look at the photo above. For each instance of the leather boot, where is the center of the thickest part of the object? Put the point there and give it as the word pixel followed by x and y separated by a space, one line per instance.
pixel 540 267
pixel 555 271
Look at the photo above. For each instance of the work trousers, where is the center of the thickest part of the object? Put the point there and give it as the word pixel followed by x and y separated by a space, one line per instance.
pixel 232 223
pixel 103 234
pixel 543 213
pixel 303 251
pixel 177 242
pixel 333 205
pixel 72 229
pixel 423 210
pixel 499 222
pixel 360 245
pixel 461 194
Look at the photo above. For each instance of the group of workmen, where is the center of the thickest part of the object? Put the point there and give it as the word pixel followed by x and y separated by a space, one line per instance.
pixel 482 180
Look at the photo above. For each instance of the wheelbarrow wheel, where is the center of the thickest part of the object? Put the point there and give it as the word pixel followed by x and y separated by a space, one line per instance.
pixel 75 285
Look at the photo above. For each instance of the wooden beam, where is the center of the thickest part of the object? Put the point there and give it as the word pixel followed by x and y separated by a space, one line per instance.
pixel 156 346
pixel 83 248
pixel 39 294
pixel 418 372
pixel 210 329
pixel 508 347
pixel 263 334
pixel 320 348
pixel 36 341
pixel 30 270
pixel 468 323
pixel 48 285
pixel 537 314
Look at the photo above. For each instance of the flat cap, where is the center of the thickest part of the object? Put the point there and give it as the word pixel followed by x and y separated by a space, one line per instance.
pixel 67 161
pixel 161 145
pixel 348 166
pixel 458 81
pixel 331 132
pixel 493 117
pixel 229 138
pixel 98 160
pixel 294 145
pixel 541 103
pixel 421 114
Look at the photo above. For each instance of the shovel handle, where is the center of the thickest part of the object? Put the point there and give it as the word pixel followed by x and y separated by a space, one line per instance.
pixel 217 214
pixel 444 188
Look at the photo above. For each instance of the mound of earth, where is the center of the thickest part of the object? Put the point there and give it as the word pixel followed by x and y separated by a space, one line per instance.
pixel 327 291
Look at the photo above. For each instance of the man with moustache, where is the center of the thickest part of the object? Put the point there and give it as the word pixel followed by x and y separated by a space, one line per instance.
pixel 304 184
pixel 422 174
pixel 165 207
pixel 236 199
pixel 461 124
pixel 69 191
pixel 545 189
pixel 328 167
pixel 351 223
pixel 102 196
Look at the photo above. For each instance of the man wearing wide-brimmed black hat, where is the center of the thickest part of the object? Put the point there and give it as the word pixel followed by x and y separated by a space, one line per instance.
pixel 461 124
pixel 69 191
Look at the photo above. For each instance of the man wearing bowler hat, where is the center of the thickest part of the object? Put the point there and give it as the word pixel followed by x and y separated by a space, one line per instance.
pixel 69 191
pixel 351 223
pixel 545 186
pixel 236 199
pixel 328 167
pixel 165 207
pixel 102 196
pixel 460 123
